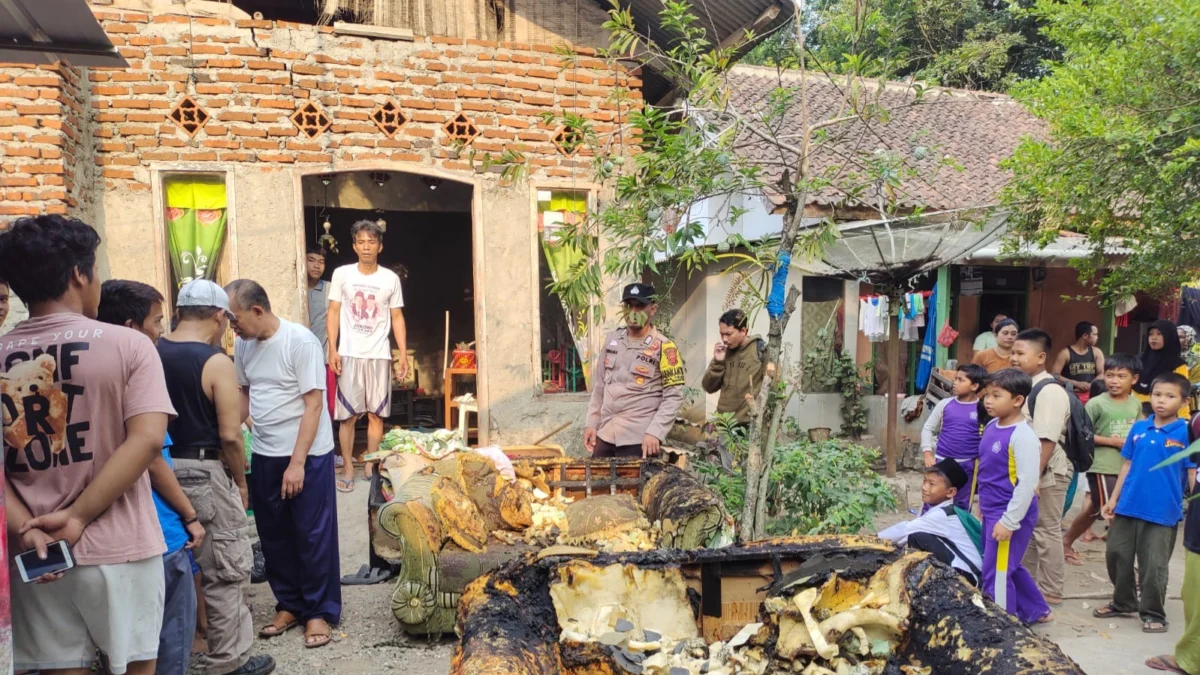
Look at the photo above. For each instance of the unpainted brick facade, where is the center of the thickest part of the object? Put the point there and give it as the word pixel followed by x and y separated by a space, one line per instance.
pixel 93 142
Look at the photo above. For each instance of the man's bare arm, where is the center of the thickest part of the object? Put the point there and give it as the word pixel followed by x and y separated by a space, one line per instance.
pixel 1047 453
pixel 163 480
pixel 314 407
pixel 333 324
pixel 220 383
pixel 400 330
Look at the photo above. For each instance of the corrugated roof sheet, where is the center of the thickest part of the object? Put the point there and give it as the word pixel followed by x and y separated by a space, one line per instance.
pixel 45 32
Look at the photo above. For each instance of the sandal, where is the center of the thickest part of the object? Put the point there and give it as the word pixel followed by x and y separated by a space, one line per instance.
pixel 1165 662
pixel 317 638
pixel 1072 557
pixel 345 485
pixel 1154 626
pixel 1110 612
pixel 1048 617
pixel 275 628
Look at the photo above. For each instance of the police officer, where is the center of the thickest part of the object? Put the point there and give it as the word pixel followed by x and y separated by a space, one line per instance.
pixel 638 386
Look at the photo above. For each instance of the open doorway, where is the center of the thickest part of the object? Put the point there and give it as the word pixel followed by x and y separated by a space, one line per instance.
pixel 428 242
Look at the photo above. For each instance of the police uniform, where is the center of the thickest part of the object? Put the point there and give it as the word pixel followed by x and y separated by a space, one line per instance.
pixel 637 389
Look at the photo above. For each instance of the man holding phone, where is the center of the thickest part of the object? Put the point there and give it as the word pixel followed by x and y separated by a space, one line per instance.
pixel 85 414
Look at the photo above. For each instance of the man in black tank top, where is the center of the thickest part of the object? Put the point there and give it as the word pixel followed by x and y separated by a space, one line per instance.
pixel 210 462
pixel 1080 362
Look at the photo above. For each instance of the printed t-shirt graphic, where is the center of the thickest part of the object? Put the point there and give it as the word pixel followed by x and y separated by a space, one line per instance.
pixel 67 386
pixel 367 302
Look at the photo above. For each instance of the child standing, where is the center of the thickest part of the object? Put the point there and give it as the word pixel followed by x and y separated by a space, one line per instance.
pixel 1186 658
pixel 1148 507
pixel 1008 476
pixel 953 428
pixel 1113 414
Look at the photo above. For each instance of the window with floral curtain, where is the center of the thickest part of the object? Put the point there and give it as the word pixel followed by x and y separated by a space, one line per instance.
pixel 566 355
pixel 196 216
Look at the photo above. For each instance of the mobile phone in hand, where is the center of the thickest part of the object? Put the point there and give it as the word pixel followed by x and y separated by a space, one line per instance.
pixel 58 559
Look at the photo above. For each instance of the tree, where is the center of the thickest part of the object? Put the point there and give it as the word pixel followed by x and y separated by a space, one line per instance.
pixel 1122 154
pixel 975 44
pixel 690 152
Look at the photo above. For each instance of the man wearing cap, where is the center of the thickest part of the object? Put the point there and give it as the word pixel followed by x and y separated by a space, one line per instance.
pixel 210 463
pixel 638 387
pixel 940 530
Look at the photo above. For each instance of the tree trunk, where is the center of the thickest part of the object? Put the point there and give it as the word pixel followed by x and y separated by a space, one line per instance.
pixel 893 406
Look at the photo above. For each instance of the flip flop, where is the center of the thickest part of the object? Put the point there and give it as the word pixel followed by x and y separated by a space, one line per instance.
pixel 275 629
pixel 1162 626
pixel 367 576
pixel 1072 557
pixel 1161 663
pixel 321 638
pixel 1110 612
pixel 345 485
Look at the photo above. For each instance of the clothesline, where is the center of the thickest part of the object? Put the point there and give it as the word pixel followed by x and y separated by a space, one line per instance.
pixel 924 294
pixel 874 316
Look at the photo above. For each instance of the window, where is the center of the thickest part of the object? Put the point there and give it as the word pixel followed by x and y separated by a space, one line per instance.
pixel 820 330
pixel 565 318
pixel 196 214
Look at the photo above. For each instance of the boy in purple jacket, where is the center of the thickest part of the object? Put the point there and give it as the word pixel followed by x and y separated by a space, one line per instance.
pixel 1008 476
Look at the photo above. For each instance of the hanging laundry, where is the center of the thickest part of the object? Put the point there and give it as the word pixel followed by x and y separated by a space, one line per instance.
pixel 874 317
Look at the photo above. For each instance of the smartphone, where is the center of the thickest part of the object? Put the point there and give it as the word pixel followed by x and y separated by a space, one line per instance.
pixel 58 559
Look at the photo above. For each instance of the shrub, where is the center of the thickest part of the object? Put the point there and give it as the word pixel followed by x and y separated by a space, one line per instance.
pixel 814 488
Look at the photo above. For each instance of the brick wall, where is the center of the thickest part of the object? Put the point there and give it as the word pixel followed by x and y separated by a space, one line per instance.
pixel 42 140
pixel 250 76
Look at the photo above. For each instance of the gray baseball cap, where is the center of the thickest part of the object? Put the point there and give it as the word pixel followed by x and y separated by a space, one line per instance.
pixel 202 293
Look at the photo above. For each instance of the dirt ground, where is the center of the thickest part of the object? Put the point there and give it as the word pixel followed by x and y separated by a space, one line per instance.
pixel 370 641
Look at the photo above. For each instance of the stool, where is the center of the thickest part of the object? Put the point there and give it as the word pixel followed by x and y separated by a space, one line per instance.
pixel 463 410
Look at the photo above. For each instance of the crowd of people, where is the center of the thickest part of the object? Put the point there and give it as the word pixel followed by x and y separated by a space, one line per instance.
pixel 1008 444
pixel 127 442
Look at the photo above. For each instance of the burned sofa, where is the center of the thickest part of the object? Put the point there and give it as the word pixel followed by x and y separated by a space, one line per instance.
pixel 844 605
pixel 455 520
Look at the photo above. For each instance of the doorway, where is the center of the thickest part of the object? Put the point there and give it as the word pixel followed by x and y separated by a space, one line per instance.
pixel 428 243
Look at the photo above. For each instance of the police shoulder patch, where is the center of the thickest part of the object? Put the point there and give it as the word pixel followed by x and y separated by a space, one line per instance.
pixel 671 365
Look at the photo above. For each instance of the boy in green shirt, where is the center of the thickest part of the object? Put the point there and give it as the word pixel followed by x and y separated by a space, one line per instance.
pixel 1113 414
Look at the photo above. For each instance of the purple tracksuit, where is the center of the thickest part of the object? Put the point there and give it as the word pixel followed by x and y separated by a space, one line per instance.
pixel 1008 476
pixel 959 440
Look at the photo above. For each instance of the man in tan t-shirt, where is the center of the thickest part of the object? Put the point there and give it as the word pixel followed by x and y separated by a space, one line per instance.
pixel 1044 558
pixel 85 414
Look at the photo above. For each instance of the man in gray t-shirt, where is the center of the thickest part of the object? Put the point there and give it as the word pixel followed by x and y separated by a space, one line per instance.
pixel 318 296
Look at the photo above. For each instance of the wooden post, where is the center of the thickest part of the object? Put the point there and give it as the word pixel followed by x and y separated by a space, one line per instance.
pixel 1108 329
pixel 893 388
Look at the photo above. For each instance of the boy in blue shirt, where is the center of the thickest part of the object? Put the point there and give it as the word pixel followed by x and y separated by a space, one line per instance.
pixel 1148 507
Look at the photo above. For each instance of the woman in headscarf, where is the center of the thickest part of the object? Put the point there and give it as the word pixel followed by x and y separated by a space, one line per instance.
pixel 1163 354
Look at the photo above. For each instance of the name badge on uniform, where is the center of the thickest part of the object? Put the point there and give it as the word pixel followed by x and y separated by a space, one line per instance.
pixel 671 366
pixel 649 340
pixel 641 369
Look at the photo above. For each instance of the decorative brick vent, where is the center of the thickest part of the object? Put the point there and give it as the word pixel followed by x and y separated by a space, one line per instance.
pixel 461 128
pixel 389 118
pixel 568 140
pixel 311 120
pixel 189 116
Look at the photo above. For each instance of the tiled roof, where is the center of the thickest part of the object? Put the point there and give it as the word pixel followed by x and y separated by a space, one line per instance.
pixel 977 130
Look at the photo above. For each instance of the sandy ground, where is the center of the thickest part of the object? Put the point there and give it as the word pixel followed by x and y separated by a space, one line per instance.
pixel 369 639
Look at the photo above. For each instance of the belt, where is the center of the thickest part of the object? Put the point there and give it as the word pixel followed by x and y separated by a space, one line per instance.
pixel 194 453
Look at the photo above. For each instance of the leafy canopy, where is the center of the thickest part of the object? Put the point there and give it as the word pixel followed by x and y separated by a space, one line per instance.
pixel 1123 154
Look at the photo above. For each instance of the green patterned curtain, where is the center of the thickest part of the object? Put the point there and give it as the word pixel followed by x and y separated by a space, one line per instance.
pixel 561 257
pixel 196 218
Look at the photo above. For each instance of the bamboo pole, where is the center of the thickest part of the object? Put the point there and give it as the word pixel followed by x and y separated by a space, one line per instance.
pixel 893 389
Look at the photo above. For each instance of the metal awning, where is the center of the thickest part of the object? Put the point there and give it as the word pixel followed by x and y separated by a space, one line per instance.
pixel 724 21
pixel 48 31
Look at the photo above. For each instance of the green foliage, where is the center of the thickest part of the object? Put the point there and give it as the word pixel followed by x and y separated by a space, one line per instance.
pixel 735 437
pixel 979 44
pixel 827 368
pixel 1122 157
pixel 826 487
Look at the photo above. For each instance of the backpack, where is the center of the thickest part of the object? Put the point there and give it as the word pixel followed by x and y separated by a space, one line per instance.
pixel 971 524
pixel 1080 440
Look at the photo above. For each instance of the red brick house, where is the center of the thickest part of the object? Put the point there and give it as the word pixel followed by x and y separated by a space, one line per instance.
pixel 289 126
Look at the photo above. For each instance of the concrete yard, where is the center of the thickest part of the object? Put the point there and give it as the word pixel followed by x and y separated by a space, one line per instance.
pixel 370 641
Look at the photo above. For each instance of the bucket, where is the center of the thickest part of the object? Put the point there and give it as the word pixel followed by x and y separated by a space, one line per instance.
pixel 819 434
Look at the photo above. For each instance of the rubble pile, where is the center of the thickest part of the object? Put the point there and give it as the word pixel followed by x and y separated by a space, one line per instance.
pixel 840 605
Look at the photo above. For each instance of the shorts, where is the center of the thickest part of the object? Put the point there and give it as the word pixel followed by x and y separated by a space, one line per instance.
pixel 365 386
pixel 1100 487
pixel 117 609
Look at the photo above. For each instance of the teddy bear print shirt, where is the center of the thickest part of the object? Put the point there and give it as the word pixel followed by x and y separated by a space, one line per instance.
pixel 67 386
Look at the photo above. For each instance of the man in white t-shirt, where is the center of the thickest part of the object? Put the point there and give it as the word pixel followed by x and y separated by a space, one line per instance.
pixel 365 305
pixel 282 374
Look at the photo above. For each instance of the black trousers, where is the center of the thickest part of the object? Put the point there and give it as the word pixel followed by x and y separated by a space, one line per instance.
pixel 604 449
